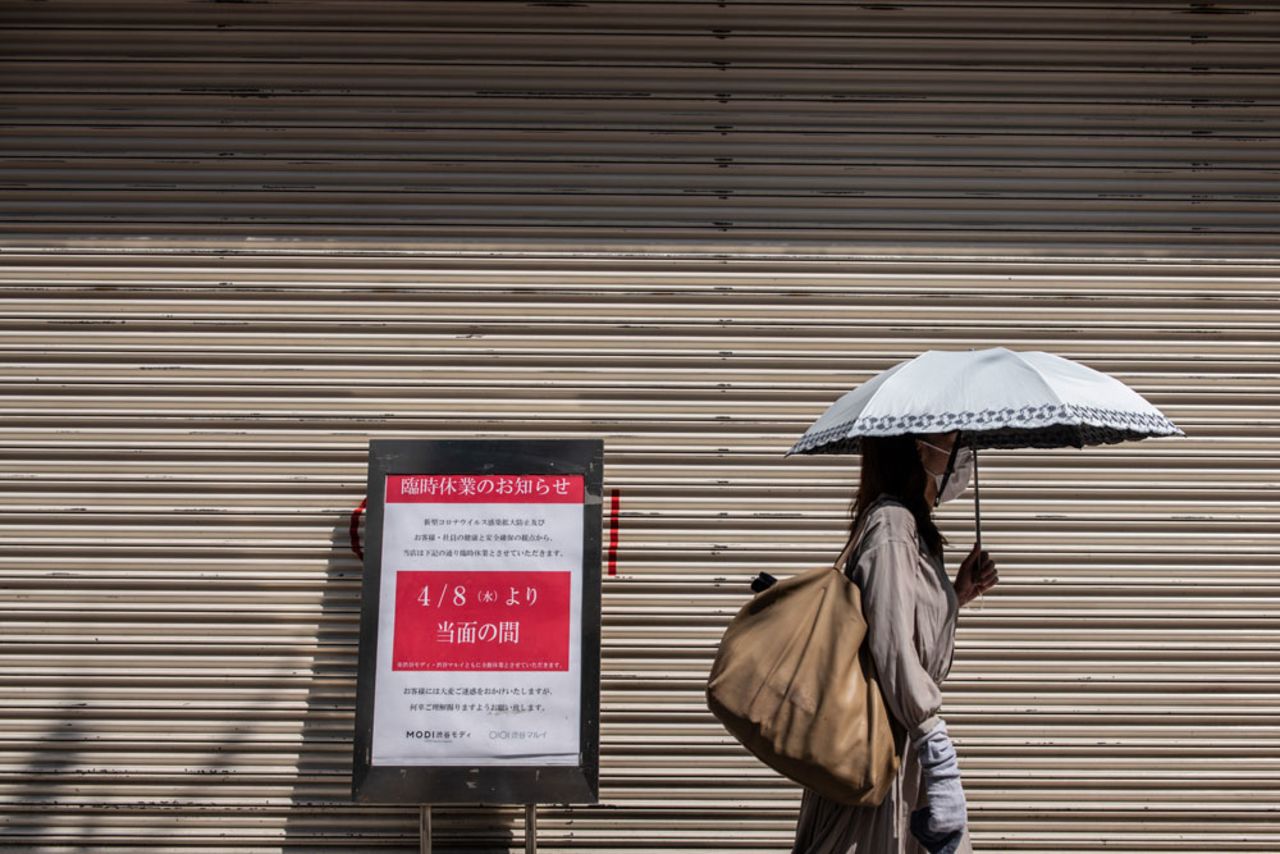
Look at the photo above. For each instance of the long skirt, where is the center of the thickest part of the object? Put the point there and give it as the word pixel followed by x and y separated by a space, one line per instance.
pixel 826 827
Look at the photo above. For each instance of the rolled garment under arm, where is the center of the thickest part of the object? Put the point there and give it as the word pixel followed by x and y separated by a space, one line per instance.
pixel 940 771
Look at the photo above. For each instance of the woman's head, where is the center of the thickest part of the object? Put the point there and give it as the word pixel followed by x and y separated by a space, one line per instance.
pixel 892 467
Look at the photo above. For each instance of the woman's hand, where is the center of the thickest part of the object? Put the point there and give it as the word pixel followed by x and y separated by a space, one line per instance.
pixel 977 575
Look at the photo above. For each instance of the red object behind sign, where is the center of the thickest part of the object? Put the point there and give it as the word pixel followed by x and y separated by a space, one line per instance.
pixel 614 504
pixel 462 620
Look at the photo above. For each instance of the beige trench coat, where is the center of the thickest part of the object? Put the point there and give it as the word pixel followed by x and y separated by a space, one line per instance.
pixel 910 607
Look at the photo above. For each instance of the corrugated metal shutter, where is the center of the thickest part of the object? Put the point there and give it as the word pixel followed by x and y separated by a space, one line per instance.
pixel 242 239
pixel 914 127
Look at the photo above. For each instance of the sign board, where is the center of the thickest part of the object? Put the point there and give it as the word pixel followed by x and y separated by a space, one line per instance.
pixel 479 666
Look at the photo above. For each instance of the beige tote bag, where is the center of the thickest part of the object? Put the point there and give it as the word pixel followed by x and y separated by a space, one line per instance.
pixel 792 681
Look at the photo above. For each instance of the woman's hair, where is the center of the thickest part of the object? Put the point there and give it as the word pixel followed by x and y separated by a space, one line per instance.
pixel 891 467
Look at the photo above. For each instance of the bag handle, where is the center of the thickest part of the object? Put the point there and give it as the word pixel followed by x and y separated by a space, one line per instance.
pixel 764 580
pixel 844 555
pixel 855 540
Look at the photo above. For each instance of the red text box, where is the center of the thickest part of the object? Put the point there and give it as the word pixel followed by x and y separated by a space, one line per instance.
pixel 447 620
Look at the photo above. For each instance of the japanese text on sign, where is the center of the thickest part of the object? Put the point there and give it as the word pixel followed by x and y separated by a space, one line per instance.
pixel 482 586
pixel 482 621
pixel 484 489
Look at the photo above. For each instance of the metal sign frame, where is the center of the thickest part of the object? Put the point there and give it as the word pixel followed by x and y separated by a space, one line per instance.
pixel 488 784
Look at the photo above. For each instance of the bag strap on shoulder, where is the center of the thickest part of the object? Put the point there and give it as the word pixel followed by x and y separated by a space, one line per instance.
pixel 855 541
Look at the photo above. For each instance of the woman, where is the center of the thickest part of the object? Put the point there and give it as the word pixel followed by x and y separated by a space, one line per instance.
pixel 910 606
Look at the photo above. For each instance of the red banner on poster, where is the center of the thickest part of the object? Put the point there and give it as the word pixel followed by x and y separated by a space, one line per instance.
pixel 485 489
pixel 447 620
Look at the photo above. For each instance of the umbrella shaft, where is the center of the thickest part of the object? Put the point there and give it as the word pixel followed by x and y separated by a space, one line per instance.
pixel 977 504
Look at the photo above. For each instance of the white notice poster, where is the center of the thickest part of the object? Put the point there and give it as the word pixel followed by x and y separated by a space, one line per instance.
pixel 480 614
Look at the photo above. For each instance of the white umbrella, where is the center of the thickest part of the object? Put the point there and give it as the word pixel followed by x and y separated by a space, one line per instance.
pixel 995 398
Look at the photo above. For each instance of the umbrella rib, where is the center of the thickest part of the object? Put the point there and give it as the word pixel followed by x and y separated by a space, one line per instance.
pixel 876 393
pixel 1052 394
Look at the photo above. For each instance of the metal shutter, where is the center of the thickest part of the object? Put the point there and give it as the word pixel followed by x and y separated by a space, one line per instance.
pixel 239 240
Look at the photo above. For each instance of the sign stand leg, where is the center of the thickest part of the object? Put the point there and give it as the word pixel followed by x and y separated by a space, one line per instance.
pixel 530 829
pixel 424 829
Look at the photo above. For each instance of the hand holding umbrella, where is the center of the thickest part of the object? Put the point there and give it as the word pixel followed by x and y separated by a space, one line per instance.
pixel 976 576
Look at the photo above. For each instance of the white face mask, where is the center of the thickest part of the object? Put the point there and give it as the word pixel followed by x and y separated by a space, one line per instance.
pixel 947 488
pixel 960 474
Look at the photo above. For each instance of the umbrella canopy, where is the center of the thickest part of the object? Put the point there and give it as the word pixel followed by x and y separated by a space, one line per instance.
pixel 996 398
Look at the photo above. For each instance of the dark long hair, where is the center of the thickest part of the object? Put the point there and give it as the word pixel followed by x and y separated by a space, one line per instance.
pixel 892 468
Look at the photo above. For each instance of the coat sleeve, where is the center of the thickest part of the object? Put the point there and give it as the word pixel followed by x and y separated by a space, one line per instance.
pixel 886 571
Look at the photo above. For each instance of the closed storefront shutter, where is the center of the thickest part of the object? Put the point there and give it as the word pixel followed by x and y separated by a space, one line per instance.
pixel 237 241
